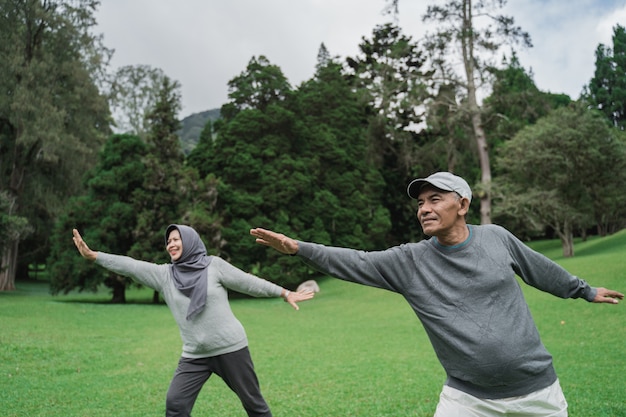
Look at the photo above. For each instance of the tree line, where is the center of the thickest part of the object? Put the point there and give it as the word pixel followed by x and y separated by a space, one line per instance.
pixel 326 161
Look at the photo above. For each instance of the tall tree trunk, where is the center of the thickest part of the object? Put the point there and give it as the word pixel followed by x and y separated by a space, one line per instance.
pixel 8 266
pixel 467 45
pixel 567 240
pixel 485 168
pixel 451 154
pixel 119 291
pixel 8 262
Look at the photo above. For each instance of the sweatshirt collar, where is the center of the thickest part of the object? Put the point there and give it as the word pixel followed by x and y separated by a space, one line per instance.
pixel 458 245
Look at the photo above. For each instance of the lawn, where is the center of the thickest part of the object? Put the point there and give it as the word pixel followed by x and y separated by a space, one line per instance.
pixel 353 351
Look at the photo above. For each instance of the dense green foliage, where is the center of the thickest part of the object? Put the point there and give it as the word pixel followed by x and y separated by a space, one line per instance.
pixel 53 119
pixel 388 77
pixel 11 226
pixel 106 216
pixel 515 102
pixel 294 161
pixel 76 355
pixel 554 173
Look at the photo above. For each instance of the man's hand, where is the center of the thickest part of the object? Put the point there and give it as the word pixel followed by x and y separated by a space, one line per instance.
pixel 82 247
pixel 607 296
pixel 278 241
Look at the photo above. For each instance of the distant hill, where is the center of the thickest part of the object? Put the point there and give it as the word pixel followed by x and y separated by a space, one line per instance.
pixel 192 127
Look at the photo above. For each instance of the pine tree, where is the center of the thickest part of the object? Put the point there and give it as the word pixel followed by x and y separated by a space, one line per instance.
pixel 389 78
pixel 607 88
pixel 158 200
pixel 105 216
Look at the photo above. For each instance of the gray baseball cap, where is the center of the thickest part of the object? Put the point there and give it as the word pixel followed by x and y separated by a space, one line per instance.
pixel 445 181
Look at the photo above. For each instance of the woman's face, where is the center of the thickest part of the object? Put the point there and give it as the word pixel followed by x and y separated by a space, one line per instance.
pixel 174 245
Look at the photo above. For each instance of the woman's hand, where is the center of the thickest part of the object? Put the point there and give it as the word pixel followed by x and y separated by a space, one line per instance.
pixel 294 298
pixel 82 247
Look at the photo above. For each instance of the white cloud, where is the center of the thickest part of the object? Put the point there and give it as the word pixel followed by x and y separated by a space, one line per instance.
pixel 565 36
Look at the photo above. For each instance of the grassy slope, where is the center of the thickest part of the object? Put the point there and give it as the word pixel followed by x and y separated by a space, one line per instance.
pixel 354 351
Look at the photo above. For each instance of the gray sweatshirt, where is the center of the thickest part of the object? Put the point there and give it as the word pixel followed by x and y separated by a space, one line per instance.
pixel 216 330
pixel 469 301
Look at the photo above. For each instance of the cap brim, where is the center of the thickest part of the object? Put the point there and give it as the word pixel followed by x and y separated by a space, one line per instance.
pixel 415 186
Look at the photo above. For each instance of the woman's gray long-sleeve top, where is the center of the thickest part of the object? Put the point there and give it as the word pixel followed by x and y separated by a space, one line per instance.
pixel 216 330
pixel 469 301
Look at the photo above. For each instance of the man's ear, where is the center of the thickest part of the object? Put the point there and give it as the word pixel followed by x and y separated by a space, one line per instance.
pixel 465 204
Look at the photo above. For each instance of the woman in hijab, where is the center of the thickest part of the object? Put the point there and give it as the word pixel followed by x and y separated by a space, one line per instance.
pixel 194 286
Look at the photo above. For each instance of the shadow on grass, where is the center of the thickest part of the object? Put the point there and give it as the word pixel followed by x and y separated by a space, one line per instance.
pixel 134 296
pixel 40 288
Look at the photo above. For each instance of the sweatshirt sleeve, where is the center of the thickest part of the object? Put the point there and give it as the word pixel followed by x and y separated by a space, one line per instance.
pixel 146 273
pixel 379 269
pixel 541 272
pixel 235 279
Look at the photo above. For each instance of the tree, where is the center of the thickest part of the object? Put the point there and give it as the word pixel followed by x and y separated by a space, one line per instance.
pixel 388 75
pixel 346 204
pixel 202 151
pixel 255 88
pixel 607 89
pixel 254 133
pixel 12 227
pixel 106 217
pixel 323 57
pixel 564 172
pixel 53 119
pixel 158 200
pixel 389 79
pixel 200 209
pixel 133 94
pixel 462 37
pixel 514 103
pixel 296 162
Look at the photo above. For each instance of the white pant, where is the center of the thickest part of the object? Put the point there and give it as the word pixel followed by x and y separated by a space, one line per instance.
pixel 547 402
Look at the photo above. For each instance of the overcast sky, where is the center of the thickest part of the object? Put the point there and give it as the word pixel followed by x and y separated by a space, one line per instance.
pixel 205 43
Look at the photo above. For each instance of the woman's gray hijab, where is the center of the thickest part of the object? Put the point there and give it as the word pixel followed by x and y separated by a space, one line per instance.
pixel 190 270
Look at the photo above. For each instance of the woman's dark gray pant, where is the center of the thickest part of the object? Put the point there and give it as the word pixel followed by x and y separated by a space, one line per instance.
pixel 237 371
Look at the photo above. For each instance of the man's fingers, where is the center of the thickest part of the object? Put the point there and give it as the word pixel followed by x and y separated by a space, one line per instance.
pixel 263 237
pixel 610 293
pixel 608 296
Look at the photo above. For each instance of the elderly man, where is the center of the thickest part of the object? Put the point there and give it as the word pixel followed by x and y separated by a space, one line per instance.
pixel 461 284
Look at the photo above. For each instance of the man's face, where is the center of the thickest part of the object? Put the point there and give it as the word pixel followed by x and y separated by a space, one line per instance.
pixel 174 245
pixel 438 211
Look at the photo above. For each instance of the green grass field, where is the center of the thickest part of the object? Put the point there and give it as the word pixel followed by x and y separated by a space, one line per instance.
pixel 352 351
